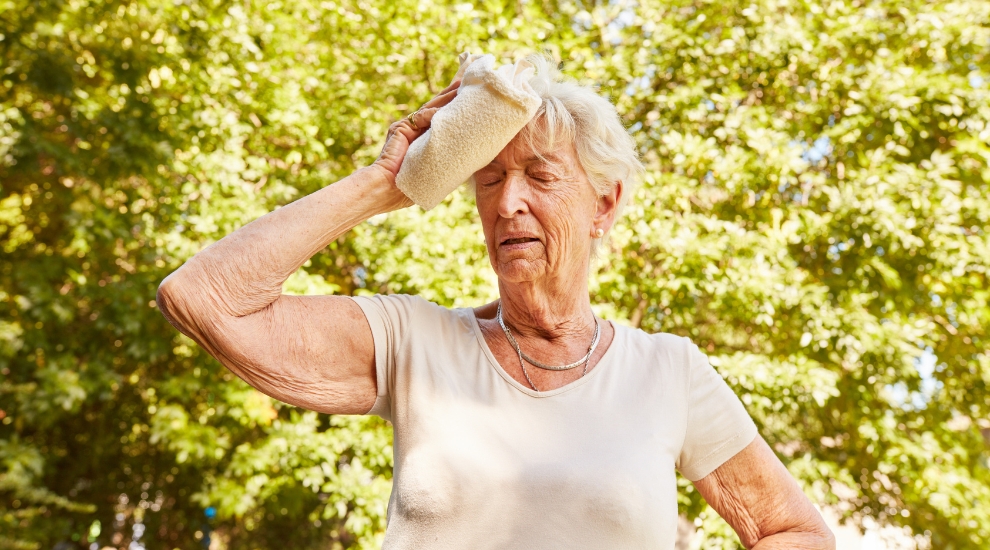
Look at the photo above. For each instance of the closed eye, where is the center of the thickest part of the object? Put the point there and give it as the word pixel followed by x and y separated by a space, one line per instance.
pixel 488 180
pixel 488 177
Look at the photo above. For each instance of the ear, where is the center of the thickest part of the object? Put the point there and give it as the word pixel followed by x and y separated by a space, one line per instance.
pixel 607 205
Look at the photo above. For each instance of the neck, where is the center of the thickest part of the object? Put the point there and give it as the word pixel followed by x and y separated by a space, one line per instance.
pixel 548 309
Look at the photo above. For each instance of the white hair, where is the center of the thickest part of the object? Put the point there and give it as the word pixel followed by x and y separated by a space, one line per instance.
pixel 572 113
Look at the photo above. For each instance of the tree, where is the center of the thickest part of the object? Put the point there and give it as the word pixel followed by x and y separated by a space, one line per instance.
pixel 814 216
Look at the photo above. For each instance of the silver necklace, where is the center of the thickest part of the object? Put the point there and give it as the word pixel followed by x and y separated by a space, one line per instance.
pixel 584 360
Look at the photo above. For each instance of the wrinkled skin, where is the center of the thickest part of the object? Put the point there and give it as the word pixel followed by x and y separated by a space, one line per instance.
pixel 539 218
pixel 540 213
pixel 551 200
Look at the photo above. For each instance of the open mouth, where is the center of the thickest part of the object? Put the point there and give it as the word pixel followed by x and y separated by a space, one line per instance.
pixel 520 240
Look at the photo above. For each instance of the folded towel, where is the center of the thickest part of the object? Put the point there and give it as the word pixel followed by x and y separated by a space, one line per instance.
pixel 491 107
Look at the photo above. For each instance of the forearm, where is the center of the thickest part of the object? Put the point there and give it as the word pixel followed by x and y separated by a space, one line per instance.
pixel 243 272
pixel 757 496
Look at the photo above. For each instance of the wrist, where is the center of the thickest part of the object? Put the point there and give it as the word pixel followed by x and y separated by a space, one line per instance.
pixel 378 173
pixel 381 183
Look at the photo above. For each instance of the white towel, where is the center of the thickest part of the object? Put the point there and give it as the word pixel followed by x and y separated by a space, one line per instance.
pixel 491 107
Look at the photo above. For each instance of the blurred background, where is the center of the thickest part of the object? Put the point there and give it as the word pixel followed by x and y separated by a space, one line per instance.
pixel 814 216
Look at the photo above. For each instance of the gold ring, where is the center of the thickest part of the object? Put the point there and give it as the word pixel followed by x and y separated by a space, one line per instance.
pixel 412 120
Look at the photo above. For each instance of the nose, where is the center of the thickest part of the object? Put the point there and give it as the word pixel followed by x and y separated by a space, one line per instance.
pixel 513 200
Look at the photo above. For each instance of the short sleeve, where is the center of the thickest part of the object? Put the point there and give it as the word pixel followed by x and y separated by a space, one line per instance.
pixel 386 315
pixel 718 426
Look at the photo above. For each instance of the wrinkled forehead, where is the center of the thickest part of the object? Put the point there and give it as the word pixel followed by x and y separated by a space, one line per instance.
pixel 538 143
pixel 517 155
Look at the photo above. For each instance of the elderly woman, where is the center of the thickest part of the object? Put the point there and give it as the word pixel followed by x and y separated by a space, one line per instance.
pixel 524 423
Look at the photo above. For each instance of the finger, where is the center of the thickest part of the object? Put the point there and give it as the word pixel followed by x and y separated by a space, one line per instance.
pixel 453 86
pixel 443 98
pixel 415 124
pixel 419 121
pixel 411 122
pixel 391 131
pixel 424 117
pixel 408 132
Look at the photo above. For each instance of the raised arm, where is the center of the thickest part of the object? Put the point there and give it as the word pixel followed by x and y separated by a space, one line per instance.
pixel 757 496
pixel 312 351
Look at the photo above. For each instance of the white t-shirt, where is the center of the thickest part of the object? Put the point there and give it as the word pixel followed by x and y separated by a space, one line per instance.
pixel 482 461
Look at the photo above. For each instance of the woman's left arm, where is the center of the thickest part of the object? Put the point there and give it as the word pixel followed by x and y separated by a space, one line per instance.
pixel 757 496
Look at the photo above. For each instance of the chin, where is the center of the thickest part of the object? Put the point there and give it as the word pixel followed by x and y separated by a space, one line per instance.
pixel 520 271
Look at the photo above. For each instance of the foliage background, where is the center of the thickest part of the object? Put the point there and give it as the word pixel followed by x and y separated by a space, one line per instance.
pixel 815 216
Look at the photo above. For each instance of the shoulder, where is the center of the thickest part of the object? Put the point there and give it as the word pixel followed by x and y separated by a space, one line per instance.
pixel 403 301
pixel 668 357
pixel 405 309
pixel 679 349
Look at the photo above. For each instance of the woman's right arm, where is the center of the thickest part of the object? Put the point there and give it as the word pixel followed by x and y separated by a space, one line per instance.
pixel 315 352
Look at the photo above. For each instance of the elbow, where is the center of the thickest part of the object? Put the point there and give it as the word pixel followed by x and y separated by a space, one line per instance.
pixel 167 299
pixel 186 305
pixel 177 301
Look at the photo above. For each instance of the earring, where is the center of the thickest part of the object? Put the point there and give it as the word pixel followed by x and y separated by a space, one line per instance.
pixel 599 232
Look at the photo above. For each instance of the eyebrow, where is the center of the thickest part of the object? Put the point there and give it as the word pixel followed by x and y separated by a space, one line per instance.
pixel 550 157
pixel 553 157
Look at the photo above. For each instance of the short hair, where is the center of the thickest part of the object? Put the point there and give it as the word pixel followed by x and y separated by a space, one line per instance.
pixel 573 113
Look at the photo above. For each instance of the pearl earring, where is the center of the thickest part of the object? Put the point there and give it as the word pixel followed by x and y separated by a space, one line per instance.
pixel 599 232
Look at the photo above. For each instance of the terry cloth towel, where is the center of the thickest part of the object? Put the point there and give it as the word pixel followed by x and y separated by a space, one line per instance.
pixel 491 107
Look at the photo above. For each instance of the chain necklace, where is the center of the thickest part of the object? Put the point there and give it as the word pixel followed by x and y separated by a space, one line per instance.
pixel 522 356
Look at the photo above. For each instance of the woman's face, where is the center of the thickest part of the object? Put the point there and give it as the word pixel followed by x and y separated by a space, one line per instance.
pixel 539 216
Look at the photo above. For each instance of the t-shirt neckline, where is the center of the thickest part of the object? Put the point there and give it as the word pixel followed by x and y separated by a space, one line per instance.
pixel 602 363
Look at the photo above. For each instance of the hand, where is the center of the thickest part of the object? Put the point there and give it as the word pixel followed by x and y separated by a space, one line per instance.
pixel 402 133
